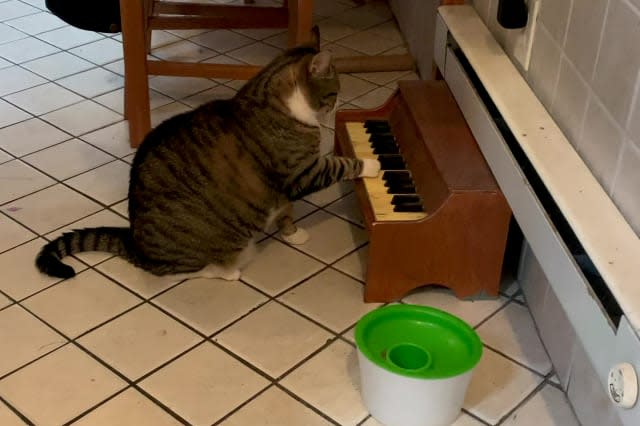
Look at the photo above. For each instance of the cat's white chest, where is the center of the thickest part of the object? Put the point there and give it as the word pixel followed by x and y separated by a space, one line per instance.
pixel 300 108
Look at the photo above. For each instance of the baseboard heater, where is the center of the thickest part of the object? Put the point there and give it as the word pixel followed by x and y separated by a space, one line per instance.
pixel 587 250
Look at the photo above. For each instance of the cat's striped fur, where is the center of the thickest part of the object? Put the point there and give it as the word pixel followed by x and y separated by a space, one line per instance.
pixel 204 183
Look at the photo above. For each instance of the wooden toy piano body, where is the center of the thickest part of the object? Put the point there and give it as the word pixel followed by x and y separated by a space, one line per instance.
pixel 458 240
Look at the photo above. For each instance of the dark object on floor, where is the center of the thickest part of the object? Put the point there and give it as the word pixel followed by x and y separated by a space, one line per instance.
pixel 101 15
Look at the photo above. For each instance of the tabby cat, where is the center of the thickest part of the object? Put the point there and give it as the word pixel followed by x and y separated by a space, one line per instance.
pixel 204 184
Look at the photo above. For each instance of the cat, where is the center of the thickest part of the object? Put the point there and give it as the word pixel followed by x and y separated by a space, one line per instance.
pixel 204 184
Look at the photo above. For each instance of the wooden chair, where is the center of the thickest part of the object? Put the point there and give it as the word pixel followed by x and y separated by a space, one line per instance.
pixel 140 17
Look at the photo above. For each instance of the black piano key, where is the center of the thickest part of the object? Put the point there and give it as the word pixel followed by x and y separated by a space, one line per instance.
pixel 385 149
pixel 382 137
pixel 398 200
pixel 401 189
pixel 391 162
pixel 377 126
pixel 410 207
pixel 396 175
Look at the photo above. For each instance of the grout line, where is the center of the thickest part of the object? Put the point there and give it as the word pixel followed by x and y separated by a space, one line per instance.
pixel 16 412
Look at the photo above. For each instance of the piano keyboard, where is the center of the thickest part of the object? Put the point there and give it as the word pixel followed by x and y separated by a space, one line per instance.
pixel 392 195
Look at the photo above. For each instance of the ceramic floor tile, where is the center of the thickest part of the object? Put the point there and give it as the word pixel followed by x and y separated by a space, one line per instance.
pixel 381 78
pixel 114 139
pixel 141 282
pixel 4 301
pixel 8 417
pixel 165 112
pixel 180 87
pixel 36 23
pixel 273 338
pixel 20 278
pixel 547 407
pixel 10 114
pixel 102 218
pixel 330 237
pixel 259 33
pixel 80 303
pixel 58 65
pixel 4 63
pixel 19 179
pixel 44 98
pixel 331 298
pixel 69 37
pixel 12 233
pixel 68 159
pixel 26 49
pixel 82 117
pixel 218 92
pixel 107 184
pixel 189 384
pixel 255 54
pixel 354 264
pixel 162 38
pixel 353 87
pixel 277 267
pixel 8 34
pixel 330 381
pixel 14 9
pixel 122 208
pixel 347 208
pixel 40 4
pixel 128 408
pixel 29 136
pixel 366 16
pixel 115 100
pixel 99 52
pixel 4 157
pixel 373 99
pixel 497 386
pixel 331 29
pixel 183 51
pixel 368 42
pixel 209 304
pixel 59 386
pixel 93 82
pixel 279 41
pixel 24 338
pixel 221 40
pixel 512 332
pixel 275 407
pixel 139 341
pixel 472 311
pixel 330 7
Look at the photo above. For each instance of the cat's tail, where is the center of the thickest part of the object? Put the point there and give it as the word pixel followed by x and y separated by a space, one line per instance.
pixel 109 239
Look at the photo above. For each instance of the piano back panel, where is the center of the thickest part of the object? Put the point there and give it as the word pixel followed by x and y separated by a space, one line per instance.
pixel 441 127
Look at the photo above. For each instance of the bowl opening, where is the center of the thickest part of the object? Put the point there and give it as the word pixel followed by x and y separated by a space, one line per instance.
pixel 409 357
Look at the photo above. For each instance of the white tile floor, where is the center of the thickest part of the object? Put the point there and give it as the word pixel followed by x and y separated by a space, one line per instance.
pixel 116 346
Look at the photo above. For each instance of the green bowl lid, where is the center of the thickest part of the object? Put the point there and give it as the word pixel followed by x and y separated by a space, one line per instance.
pixel 418 341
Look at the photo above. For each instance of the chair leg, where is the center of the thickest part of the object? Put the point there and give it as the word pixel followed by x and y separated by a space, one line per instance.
pixel 300 20
pixel 136 84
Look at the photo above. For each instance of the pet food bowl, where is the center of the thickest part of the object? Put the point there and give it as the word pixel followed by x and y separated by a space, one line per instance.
pixel 415 364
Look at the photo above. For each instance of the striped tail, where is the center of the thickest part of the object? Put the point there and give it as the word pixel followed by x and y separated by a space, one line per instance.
pixel 109 239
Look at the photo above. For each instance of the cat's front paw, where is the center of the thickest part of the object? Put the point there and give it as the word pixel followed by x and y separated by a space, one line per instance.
pixel 370 168
pixel 299 237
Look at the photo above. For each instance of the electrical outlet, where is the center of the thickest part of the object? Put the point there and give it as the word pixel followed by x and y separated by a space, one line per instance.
pixel 518 43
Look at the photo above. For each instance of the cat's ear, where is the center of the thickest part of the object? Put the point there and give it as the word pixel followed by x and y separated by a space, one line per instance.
pixel 320 63
pixel 315 37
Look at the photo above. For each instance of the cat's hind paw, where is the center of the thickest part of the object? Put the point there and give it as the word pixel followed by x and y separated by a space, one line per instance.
pixel 370 168
pixel 297 238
